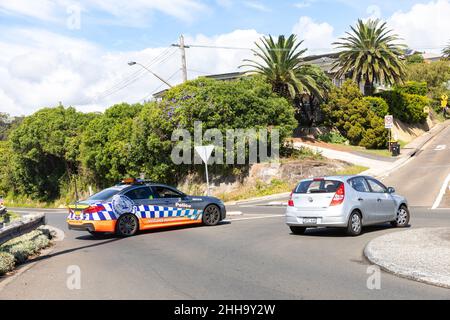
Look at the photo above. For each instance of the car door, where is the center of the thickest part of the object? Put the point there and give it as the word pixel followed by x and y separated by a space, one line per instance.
pixel 367 201
pixel 145 201
pixel 170 198
pixel 385 202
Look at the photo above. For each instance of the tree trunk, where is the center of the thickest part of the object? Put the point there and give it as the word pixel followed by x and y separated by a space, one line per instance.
pixel 369 88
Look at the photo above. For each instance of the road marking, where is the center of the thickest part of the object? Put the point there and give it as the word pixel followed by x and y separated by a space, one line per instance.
pixel 234 213
pixel 254 218
pixel 441 193
pixel 440 147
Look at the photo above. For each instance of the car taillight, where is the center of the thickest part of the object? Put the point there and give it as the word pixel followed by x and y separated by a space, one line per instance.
pixel 338 196
pixel 92 209
pixel 290 201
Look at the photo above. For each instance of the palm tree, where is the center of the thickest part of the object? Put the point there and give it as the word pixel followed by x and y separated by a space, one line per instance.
pixel 370 54
pixel 446 51
pixel 281 63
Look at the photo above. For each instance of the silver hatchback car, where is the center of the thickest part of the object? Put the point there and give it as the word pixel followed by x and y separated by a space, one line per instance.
pixel 349 202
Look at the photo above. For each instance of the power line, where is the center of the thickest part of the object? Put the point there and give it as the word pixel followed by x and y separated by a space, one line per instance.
pixel 126 82
pixel 159 87
pixel 134 74
pixel 132 80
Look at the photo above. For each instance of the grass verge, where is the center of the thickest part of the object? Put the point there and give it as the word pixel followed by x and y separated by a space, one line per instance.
pixel 261 189
pixel 354 169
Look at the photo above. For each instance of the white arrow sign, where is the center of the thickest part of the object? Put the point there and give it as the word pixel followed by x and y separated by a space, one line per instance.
pixel 205 152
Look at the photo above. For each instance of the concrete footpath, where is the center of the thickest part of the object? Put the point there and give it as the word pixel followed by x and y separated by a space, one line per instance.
pixel 379 167
pixel 418 254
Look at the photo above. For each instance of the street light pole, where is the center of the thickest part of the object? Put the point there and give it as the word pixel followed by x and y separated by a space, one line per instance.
pixel 131 63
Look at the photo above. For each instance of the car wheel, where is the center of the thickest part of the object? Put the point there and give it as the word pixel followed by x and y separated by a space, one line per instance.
pixel 402 219
pixel 211 215
pixel 127 225
pixel 297 230
pixel 354 227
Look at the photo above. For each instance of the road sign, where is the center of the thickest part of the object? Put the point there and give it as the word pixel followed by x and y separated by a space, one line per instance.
pixel 205 152
pixel 426 109
pixel 444 100
pixel 388 121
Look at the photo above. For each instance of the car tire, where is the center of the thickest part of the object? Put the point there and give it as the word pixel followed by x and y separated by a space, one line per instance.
pixel 354 227
pixel 211 215
pixel 402 219
pixel 127 225
pixel 297 230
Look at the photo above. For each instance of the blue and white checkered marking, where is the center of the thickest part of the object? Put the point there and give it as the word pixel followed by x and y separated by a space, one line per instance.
pixel 142 211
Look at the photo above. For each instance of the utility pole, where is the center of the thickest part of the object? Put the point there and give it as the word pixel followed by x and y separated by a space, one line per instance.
pixel 183 56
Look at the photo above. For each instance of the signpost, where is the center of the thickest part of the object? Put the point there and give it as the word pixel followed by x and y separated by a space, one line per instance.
pixel 205 152
pixel 388 124
pixel 444 101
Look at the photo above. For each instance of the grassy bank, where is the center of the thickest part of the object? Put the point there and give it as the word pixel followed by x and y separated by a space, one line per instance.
pixel 276 186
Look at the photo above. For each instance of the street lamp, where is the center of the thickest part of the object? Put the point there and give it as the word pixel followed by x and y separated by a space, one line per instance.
pixel 132 63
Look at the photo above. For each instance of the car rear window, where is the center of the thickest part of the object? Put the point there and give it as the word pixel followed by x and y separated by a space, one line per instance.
pixel 317 186
pixel 105 194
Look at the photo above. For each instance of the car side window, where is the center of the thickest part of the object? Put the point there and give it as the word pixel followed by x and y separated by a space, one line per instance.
pixel 163 192
pixel 359 184
pixel 376 186
pixel 140 193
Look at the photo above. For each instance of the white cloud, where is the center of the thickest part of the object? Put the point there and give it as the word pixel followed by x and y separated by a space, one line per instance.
pixel 304 4
pixel 132 12
pixel 221 60
pixel 40 9
pixel 39 68
pixel 425 27
pixel 257 6
pixel 317 36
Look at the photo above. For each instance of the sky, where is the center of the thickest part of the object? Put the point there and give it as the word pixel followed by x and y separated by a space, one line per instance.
pixel 76 52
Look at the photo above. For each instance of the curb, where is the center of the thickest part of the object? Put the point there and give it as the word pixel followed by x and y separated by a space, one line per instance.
pixel 420 274
pixel 404 159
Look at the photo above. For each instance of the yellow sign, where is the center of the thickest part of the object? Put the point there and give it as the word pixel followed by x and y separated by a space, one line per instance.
pixel 426 109
pixel 444 100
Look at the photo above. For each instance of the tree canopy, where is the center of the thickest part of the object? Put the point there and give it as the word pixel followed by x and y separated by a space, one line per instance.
pixel 370 53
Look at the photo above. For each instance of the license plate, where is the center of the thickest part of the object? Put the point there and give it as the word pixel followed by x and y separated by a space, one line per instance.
pixel 309 220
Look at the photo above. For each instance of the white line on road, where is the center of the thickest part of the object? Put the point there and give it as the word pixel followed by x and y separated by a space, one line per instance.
pixel 440 147
pixel 441 193
pixel 234 213
pixel 254 218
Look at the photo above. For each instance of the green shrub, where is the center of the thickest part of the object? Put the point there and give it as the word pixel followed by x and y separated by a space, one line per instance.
pixel 406 107
pixel 22 250
pixel 414 107
pixel 413 87
pixel 26 245
pixel 332 137
pixel 354 116
pixel 6 262
pixel 378 105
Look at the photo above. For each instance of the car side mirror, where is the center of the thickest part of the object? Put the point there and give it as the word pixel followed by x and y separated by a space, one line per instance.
pixel 390 190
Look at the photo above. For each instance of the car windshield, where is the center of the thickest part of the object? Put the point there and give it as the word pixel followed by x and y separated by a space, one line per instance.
pixel 105 194
pixel 317 186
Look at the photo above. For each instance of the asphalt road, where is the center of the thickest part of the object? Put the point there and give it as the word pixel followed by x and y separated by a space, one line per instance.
pixel 253 256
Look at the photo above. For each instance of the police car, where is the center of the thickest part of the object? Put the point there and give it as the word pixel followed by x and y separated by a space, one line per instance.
pixel 134 205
